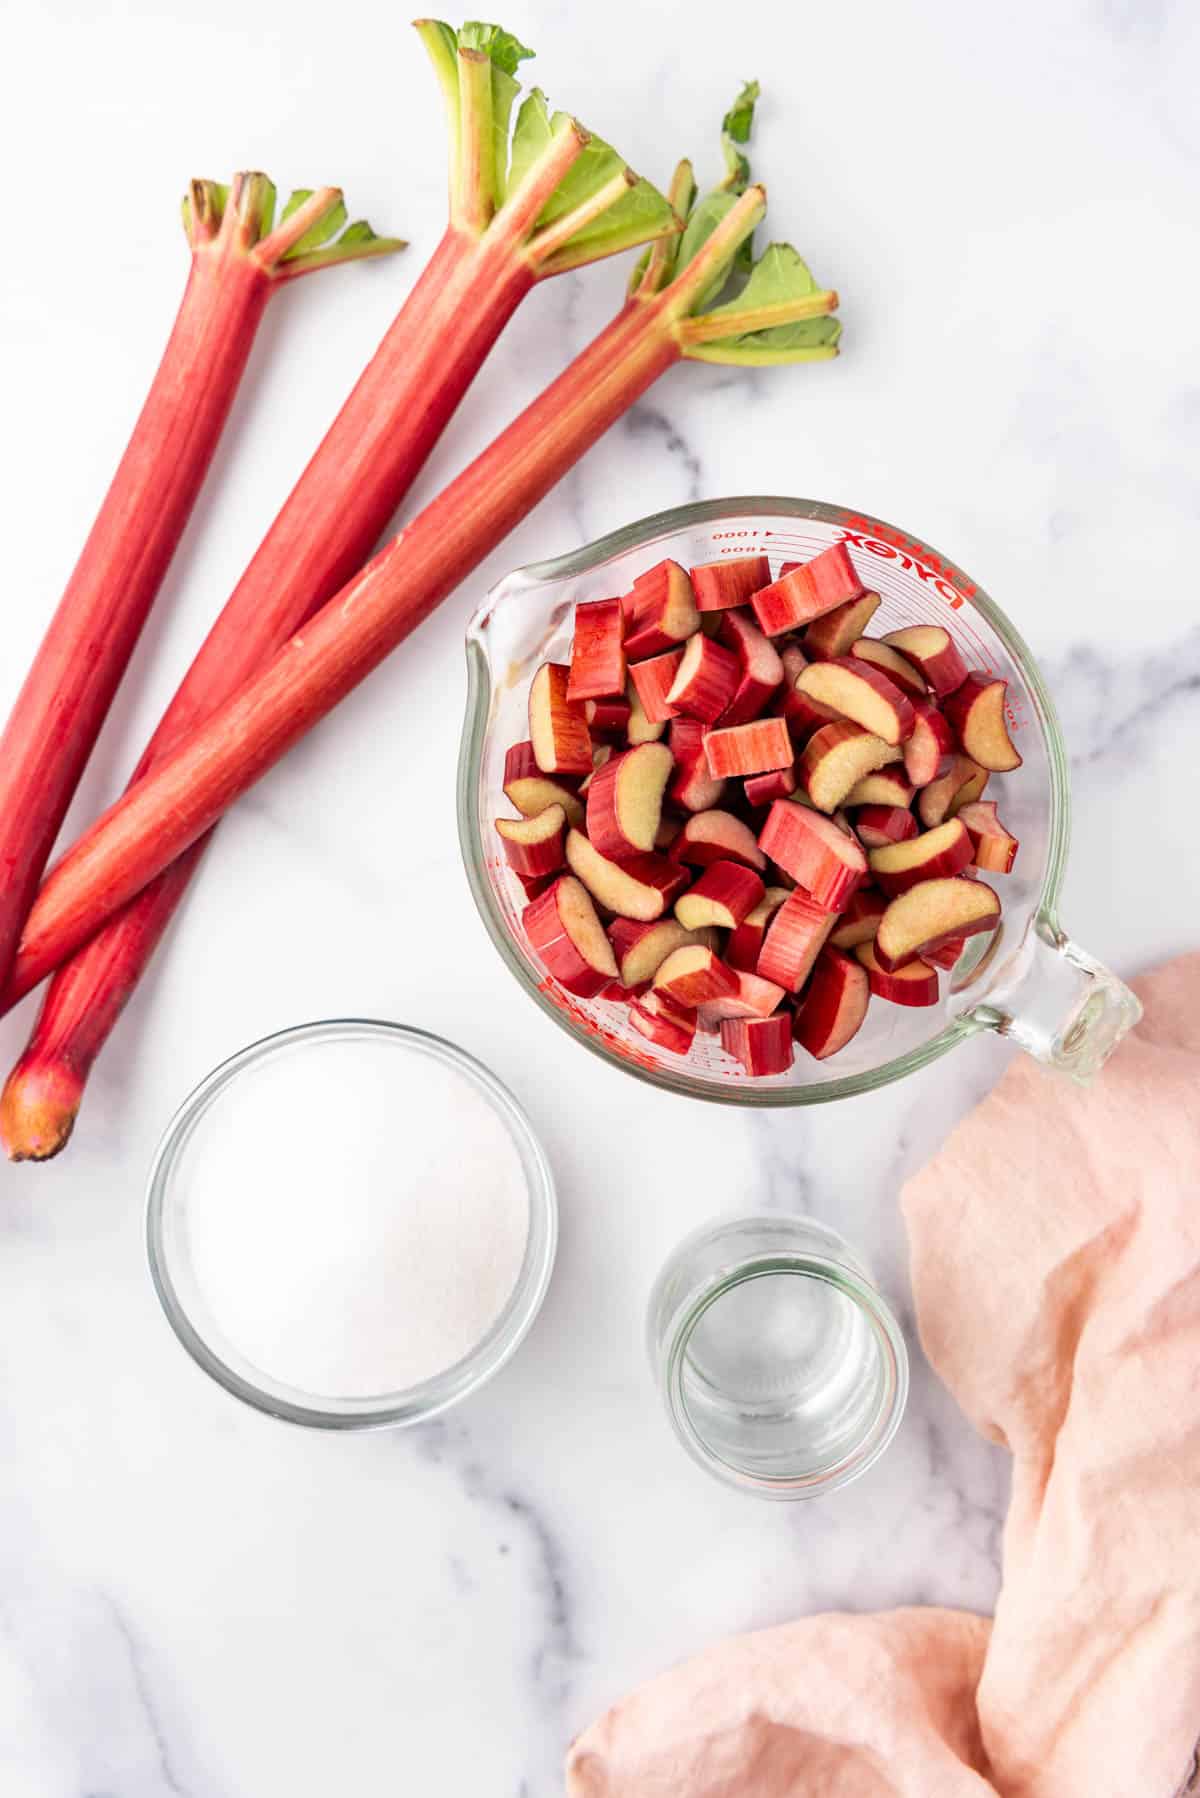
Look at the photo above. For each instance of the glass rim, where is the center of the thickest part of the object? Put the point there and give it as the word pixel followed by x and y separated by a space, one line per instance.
pixel 427 1398
pixel 889 1339
pixel 640 533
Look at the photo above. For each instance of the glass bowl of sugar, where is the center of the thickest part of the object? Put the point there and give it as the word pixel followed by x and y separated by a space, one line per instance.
pixel 351 1224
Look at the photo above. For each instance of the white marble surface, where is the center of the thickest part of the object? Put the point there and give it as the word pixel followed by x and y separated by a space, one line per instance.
pixel 194 1600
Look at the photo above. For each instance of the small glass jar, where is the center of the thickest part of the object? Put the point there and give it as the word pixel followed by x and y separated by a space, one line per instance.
pixel 783 1370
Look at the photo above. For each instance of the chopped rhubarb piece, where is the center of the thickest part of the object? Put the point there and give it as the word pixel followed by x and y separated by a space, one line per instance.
pixel 531 791
pixel 642 728
pixel 719 586
pixel 624 802
pixel 693 975
pixel 932 651
pixel 928 751
pixel 913 983
pixel 642 947
pixel 975 711
pixel 793 941
pixel 877 825
pixel 860 920
pixel 994 849
pixel 762 1045
pixel 597 651
pixel 608 719
pixel 536 884
pixel 934 855
pixel 639 886
pixel 602 754
pixel 969 792
pixel 817 854
pixel 633 604
pixel 807 592
pixel 535 845
pixel 754 998
pixel 802 715
pixel 724 895
pixel 887 786
pixel 756 748
pixel 651 682
pixel 717 836
pixel 938 798
pixel 832 636
pixel 761 666
pixel 928 915
pixel 857 691
pixel 568 937
pixel 667 832
pixel 891 665
pixel 666 612
pixel 617 994
pixel 557 727
pixel 744 945
pixel 836 758
pixel 662 1022
pixel 947 955
pixel 706 680
pixel 693 787
pixel 833 1007
pixel 761 789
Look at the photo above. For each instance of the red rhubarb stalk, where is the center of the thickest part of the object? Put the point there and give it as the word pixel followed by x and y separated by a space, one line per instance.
pixel 178 800
pixel 564 199
pixel 237 260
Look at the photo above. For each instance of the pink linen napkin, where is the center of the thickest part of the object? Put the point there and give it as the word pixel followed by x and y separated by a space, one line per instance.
pixel 1056 1265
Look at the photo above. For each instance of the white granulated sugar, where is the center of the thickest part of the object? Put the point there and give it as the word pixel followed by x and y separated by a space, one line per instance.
pixel 357 1216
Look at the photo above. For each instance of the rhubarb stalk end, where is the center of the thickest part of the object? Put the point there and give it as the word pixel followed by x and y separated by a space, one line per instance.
pixel 38 1109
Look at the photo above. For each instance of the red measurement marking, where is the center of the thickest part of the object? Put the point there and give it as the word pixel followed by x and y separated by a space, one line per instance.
pixel 592 1027
pixel 893 546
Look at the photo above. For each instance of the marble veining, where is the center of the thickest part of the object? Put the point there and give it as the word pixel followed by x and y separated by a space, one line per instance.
pixel 193 1600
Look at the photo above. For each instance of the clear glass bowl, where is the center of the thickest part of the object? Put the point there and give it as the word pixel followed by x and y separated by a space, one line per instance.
pixel 1028 981
pixel 782 1367
pixel 177 1178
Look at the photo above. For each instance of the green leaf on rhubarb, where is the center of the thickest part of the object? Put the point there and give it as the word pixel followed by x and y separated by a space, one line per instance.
pixel 506 51
pixel 639 213
pixel 327 226
pixel 531 137
pixel 778 281
pixel 812 340
pixel 735 130
pixel 778 277
pixel 706 215
pixel 739 120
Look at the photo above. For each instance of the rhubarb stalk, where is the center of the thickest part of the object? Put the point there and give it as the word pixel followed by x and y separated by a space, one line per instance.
pixel 238 257
pixel 559 199
pixel 668 315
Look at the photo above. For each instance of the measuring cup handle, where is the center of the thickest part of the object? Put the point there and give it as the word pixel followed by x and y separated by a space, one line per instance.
pixel 1070 1011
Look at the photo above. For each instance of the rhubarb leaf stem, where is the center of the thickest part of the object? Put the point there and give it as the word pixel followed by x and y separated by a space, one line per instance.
pixel 711 327
pixel 552 237
pixel 715 257
pixel 356 244
pixel 305 225
pixel 520 211
pixel 655 269
pixel 472 201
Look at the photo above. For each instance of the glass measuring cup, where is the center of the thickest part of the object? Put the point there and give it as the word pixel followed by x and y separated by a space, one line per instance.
pixel 1028 981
